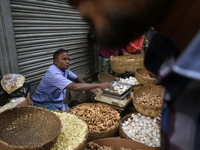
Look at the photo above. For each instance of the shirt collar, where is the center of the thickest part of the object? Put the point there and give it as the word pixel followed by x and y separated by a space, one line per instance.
pixel 63 73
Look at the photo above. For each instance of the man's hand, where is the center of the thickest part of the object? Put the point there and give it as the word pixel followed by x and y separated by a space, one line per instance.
pixel 125 53
pixel 106 85
pixel 96 91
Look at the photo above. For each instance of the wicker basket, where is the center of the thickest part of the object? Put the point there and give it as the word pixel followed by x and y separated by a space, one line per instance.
pixel 121 64
pixel 142 75
pixel 123 134
pixel 151 111
pixel 98 135
pixel 28 128
pixel 135 87
pixel 105 77
pixel 118 143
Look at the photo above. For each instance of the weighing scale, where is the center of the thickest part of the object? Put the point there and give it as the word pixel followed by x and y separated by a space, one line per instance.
pixel 114 98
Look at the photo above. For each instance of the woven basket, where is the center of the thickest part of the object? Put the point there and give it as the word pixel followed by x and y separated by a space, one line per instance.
pixel 142 75
pixel 105 77
pixel 121 64
pixel 118 143
pixel 123 134
pixel 28 128
pixel 151 111
pixel 98 135
pixel 135 87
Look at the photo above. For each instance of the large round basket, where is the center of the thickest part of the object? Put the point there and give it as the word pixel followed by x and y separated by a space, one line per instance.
pixel 122 133
pixel 119 144
pixel 142 75
pixel 105 77
pixel 151 111
pixel 121 64
pixel 98 135
pixel 28 128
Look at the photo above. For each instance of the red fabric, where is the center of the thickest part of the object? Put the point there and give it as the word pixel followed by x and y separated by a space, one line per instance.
pixel 108 52
pixel 134 45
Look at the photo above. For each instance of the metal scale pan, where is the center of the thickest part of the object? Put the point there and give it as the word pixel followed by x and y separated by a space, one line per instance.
pixel 115 94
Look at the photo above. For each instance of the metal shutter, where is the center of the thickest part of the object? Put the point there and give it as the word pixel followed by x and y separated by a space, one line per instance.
pixel 40 28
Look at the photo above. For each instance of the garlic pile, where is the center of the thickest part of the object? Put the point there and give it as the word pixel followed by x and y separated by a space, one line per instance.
pixel 120 89
pixel 130 80
pixel 142 129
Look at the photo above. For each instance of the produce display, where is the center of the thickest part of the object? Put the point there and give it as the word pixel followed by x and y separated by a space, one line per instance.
pixel 73 132
pixel 98 117
pixel 95 146
pixel 120 89
pixel 142 129
pixel 129 80
pixel 150 99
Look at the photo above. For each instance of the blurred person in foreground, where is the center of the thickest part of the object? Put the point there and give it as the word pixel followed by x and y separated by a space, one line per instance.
pixel 173 55
pixel 51 92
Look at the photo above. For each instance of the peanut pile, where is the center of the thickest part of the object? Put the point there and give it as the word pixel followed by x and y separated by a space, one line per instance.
pixel 150 100
pixel 99 118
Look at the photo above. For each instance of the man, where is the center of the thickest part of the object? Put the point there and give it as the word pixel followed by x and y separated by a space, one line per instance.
pixel 51 91
pixel 173 55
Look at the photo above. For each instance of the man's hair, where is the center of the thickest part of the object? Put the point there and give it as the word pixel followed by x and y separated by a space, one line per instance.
pixel 56 53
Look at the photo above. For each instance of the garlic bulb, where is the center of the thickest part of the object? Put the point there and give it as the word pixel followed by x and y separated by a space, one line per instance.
pixel 142 129
pixel 130 80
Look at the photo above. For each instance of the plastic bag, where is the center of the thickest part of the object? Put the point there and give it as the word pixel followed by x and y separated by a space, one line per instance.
pixel 21 92
pixel 17 101
pixel 13 102
pixel 11 82
pixel 3 96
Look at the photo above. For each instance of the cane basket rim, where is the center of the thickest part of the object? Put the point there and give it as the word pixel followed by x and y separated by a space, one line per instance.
pixel 105 77
pixel 29 128
pixel 121 64
pixel 141 74
pixel 151 111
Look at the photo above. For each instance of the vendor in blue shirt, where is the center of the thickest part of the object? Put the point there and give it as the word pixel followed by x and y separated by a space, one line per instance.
pixel 51 91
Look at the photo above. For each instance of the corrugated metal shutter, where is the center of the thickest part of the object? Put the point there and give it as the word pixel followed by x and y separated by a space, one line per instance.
pixel 41 27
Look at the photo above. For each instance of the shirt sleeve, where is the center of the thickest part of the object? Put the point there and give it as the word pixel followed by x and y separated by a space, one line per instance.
pixel 141 42
pixel 60 81
pixel 70 75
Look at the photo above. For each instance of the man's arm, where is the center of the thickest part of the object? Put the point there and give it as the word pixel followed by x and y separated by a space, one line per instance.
pixel 79 80
pixel 86 86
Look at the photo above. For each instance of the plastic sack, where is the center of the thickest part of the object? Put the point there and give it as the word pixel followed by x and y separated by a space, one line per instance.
pixel 11 82
pixel 17 101
pixel 13 102
pixel 21 92
pixel 3 96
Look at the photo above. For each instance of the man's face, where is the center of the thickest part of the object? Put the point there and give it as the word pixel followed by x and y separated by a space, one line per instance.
pixel 62 61
pixel 117 22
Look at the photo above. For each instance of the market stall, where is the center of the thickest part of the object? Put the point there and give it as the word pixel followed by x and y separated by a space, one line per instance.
pixel 99 125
